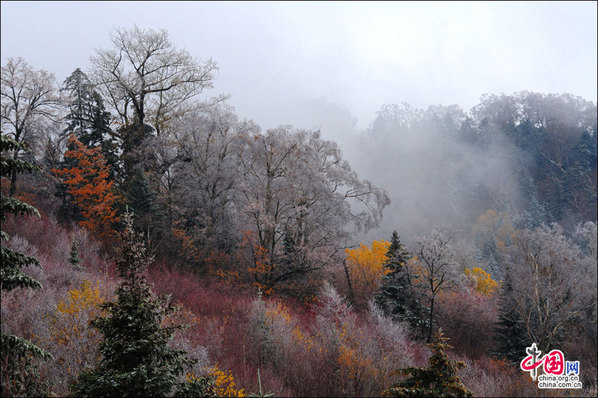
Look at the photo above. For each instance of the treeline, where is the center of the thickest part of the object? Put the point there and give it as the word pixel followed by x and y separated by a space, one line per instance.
pixel 529 155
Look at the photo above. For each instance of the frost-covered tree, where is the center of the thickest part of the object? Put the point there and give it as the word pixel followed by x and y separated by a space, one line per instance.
pixel 434 268
pixel 397 297
pixel 203 182
pixel 587 237
pixel 29 98
pixel 147 81
pixel 145 78
pixel 554 284
pixel 296 187
pixel 439 379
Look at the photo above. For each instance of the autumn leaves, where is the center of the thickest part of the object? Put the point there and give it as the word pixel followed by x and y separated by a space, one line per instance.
pixel 91 190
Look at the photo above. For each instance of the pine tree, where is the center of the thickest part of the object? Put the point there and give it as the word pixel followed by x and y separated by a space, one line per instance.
pixel 19 356
pixel 509 333
pixel 439 379
pixel 397 297
pixel 136 360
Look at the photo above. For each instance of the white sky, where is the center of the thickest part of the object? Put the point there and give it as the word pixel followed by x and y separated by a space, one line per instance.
pixel 274 57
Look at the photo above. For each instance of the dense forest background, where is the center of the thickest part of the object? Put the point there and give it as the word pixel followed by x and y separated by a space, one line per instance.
pixel 277 251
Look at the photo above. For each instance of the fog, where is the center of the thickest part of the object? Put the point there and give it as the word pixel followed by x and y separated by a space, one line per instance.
pixel 333 66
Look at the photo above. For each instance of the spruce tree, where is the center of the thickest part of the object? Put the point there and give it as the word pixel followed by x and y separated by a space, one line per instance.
pixel 510 333
pixel 136 360
pixel 439 379
pixel 88 118
pixel 141 199
pixel 396 297
pixel 20 358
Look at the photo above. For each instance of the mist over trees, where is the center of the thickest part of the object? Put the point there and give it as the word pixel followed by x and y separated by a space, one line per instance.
pixel 493 211
pixel 529 155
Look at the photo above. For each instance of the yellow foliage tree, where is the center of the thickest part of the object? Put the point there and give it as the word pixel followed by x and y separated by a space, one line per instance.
pixel 224 384
pixel 74 343
pixel 366 267
pixel 481 281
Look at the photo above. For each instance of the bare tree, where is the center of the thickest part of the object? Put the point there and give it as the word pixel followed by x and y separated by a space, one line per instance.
pixel 586 233
pixel 203 182
pixel 554 284
pixel 29 97
pixel 300 197
pixel 145 77
pixel 434 267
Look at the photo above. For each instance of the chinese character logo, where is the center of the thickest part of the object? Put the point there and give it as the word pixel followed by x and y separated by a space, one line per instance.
pixel 554 362
pixel 530 363
pixel 558 373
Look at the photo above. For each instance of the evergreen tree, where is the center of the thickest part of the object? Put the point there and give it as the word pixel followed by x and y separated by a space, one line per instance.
pixel 439 379
pixel 89 120
pixel 74 256
pixel 510 334
pixel 19 357
pixel 149 215
pixel 136 360
pixel 68 211
pixel 133 145
pixel 141 199
pixel 396 297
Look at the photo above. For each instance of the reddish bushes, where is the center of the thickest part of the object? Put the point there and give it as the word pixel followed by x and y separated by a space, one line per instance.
pixel 468 320
pixel 322 349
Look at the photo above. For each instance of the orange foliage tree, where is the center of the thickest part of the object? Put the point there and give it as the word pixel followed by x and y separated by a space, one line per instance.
pixel 88 183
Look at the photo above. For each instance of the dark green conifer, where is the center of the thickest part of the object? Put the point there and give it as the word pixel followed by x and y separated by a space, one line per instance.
pixel 396 297
pixel 74 256
pixel 439 379
pixel 88 118
pixel 510 333
pixel 141 199
pixel 19 357
pixel 136 360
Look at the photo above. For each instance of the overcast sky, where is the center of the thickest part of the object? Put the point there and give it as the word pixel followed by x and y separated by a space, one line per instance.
pixel 275 58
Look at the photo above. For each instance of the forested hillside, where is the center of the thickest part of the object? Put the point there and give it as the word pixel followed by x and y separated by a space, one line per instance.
pixel 155 243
